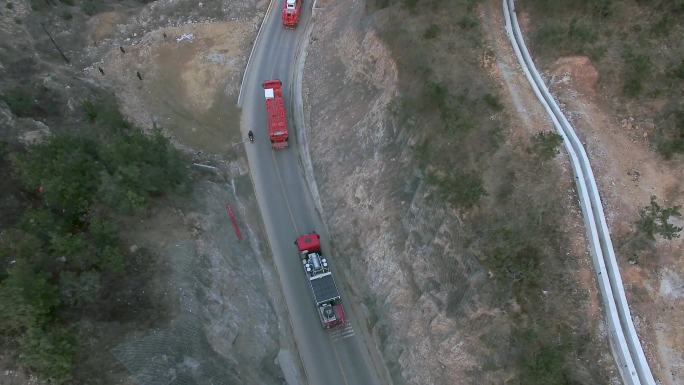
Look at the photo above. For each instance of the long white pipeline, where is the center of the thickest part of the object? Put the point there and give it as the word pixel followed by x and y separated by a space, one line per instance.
pixel 624 341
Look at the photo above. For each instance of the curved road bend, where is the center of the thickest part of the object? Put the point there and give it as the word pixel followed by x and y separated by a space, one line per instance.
pixel 288 210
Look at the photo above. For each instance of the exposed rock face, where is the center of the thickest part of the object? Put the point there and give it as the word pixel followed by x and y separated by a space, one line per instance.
pixel 375 205
pixel 433 304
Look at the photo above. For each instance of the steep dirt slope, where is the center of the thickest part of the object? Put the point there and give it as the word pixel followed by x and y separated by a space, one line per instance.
pixel 202 297
pixel 618 80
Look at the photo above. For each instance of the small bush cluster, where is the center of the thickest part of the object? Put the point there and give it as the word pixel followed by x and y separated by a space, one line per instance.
pixel 545 144
pixel 578 36
pixel 638 69
pixel 37 102
pixel 460 189
pixel 655 219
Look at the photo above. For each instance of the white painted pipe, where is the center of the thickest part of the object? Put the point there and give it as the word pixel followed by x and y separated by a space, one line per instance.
pixel 627 349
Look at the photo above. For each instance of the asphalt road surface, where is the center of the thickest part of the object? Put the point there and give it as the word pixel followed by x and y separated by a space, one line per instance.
pixel 329 358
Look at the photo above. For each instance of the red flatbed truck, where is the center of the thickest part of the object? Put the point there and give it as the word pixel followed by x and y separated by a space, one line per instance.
pixel 275 113
pixel 325 294
pixel 291 11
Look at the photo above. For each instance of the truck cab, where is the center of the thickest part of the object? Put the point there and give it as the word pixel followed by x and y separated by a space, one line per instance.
pixel 291 12
pixel 325 294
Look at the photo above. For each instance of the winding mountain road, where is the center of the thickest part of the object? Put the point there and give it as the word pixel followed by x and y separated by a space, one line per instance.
pixel 287 208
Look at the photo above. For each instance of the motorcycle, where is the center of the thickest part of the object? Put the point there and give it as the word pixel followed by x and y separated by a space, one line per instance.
pixel 251 136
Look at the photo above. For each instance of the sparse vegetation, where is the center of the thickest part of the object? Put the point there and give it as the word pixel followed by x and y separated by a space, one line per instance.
pixel 633 44
pixel 461 189
pixel 91 7
pixel 493 102
pixel 432 32
pixel 638 70
pixel 36 102
pixel 104 112
pixel 545 144
pixel 65 249
pixel 671 139
pixel 654 220
pixel 511 219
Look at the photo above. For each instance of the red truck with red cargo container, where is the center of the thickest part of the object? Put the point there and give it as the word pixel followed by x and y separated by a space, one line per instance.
pixel 327 298
pixel 291 11
pixel 275 113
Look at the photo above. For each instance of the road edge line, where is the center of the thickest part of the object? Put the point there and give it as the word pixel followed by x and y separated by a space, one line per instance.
pixel 254 45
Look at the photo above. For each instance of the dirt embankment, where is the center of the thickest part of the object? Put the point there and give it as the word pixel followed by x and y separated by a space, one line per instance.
pixel 629 172
pixel 620 133
pixel 434 310
pixel 183 74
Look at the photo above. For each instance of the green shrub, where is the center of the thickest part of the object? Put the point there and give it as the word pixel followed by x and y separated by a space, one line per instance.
pixel 26 298
pixel 460 189
pixel 32 102
pixel 545 366
pixel 514 258
pixel 423 154
pixel 467 22
pixel 432 32
pixel 49 352
pixel 91 7
pixel 138 166
pixel 437 95
pixel 411 4
pixel 678 70
pixel 638 69
pixel 78 289
pixel 65 169
pixel 38 5
pixel 595 8
pixel 581 33
pixel 20 101
pixel 105 112
pixel 545 144
pixel 672 135
pixel 550 34
pixel 493 102
pixel 654 219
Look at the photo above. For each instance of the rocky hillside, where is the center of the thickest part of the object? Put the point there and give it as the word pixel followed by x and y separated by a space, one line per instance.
pixel 620 76
pixel 185 299
pixel 453 212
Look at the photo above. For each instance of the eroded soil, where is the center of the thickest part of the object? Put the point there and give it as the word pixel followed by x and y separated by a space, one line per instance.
pixel 629 172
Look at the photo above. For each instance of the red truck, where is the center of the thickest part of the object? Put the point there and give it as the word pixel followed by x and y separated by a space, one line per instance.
pixel 275 111
pixel 290 12
pixel 327 298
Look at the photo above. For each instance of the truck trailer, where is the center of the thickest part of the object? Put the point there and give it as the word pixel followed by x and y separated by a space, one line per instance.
pixel 325 294
pixel 275 113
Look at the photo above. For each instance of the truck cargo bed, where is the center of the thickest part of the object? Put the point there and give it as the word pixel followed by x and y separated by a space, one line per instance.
pixel 323 287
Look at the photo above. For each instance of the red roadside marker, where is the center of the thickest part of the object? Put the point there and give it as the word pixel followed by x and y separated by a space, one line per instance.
pixel 233 220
